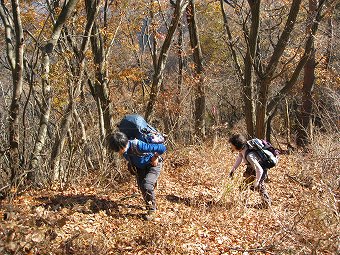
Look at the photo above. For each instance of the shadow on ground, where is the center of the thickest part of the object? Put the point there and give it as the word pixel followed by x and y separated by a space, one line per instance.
pixel 89 204
pixel 198 201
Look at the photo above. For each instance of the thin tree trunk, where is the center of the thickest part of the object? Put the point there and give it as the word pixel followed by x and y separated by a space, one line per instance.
pixel 304 133
pixel 58 145
pixel 229 40
pixel 198 76
pixel 102 93
pixel 180 63
pixel 179 79
pixel 303 60
pixel 163 56
pixel 287 122
pixel 248 86
pixel 330 35
pixel 269 125
pixel 46 87
pixel 262 102
pixel 74 93
pixel 84 141
pixel 15 55
pixel 17 74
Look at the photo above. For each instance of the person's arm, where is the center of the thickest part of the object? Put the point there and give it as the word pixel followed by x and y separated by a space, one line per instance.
pixel 253 161
pixel 155 148
pixel 236 164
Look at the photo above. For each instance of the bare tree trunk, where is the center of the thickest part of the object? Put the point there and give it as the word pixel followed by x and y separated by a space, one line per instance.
pixel 262 102
pixel 101 89
pixel 229 39
pixel 59 142
pixel 200 106
pixel 287 122
pixel 248 86
pixel 99 109
pixel 15 55
pixel 304 134
pixel 74 93
pixel 269 125
pixel 303 60
pixel 180 63
pixel 330 35
pixel 84 141
pixel 172 122
pixel 46 87
pixel 179 79
pixel 163 55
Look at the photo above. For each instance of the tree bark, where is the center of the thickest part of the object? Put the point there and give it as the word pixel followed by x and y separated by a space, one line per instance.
pixel 57 149
pixel 303 60
pixel 248 82
pixel 101 86
pixel 46 87
pixel 267 76
pixel 330 35
pixel 229 39
pixel 200 106
pixel 162 58
pixel 15 55
pixel 304 134
pixel 287 123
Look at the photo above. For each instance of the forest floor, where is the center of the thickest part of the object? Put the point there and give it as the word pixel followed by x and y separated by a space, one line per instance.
pixel 200 211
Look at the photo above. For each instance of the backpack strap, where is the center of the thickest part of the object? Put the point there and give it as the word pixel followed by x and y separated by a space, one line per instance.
pixel 249 150
pixel 259 154
pixel 133 152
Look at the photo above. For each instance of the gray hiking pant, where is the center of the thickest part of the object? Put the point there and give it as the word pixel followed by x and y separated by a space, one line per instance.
pixel 250 176
pixel 146 180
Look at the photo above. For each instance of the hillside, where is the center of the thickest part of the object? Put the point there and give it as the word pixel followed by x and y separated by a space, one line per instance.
pixel 201 211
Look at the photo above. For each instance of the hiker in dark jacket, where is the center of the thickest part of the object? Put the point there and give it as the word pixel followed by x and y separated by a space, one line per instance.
pixel 255 174
pixel 146 161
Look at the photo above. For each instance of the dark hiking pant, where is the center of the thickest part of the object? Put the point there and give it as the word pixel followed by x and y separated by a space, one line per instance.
pixel 249 178
pixel 146 180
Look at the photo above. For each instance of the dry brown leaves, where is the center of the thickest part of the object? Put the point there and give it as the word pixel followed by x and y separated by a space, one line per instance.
pixel 201 211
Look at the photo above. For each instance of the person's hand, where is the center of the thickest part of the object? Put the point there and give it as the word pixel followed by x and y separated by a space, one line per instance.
pixel 253 188
pixel 154 160
pixel 231 174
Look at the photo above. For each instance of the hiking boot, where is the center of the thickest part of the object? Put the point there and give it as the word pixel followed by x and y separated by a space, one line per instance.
pixel 150 215
pixel 266 204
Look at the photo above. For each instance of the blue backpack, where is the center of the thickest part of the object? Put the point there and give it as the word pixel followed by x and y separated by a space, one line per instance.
pixel 135 127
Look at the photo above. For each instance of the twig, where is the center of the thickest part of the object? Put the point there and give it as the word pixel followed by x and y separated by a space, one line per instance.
pixel 4 187
pixel 2 152
pixel 303 184
pixel 133 195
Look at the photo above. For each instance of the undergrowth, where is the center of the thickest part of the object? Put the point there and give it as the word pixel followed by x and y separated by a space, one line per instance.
pixel 201 210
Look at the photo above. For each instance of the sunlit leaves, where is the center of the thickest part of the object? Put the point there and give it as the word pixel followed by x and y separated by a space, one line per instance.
pixel 133 74
pixel 192 217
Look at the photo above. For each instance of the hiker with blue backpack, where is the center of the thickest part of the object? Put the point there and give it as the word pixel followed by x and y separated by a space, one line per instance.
pixel 142 146
pixel 259 156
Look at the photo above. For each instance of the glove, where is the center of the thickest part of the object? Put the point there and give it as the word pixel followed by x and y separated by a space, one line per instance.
pixel 231 174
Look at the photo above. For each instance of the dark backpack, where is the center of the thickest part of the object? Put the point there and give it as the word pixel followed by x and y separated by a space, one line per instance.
pixel 267 153
pixel 135 127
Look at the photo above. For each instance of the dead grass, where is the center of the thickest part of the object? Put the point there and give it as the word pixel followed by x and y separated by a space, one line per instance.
pixel 201 211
